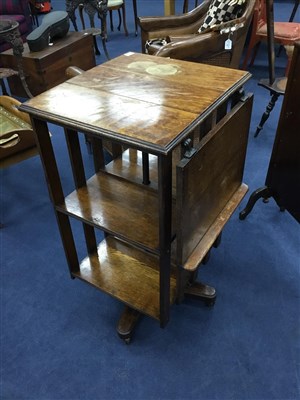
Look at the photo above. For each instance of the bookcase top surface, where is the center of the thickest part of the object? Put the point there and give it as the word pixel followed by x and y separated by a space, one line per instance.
pixel 144 101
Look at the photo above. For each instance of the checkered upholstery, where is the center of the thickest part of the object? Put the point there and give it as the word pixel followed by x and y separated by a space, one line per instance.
pixel 221 11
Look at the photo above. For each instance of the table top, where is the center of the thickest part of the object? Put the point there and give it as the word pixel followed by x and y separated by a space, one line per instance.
pixel 144 101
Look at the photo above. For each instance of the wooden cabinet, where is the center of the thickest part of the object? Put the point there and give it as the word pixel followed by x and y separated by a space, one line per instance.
pixel 164 200
pixel 47 68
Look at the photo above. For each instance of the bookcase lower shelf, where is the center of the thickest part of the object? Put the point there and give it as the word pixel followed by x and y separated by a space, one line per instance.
pixel 126 273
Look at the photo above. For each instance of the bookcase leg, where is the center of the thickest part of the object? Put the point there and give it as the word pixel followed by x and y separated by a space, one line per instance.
pixel 188 287
pixel 202 292
pixel 127 323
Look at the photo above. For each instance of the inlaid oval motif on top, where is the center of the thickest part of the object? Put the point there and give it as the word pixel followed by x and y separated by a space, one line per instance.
pixel 152 68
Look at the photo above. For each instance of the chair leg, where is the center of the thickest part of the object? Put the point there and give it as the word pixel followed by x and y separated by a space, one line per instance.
pixel 103 38
pixel 289 52
pixel 185 6
pixel 120 20
pixel 3 87
pixel 255 50
pixel 124 20
pixel 111 21
pixel 97 51
pixel 251 50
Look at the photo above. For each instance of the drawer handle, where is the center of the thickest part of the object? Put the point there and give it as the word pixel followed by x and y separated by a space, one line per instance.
pixel 11 141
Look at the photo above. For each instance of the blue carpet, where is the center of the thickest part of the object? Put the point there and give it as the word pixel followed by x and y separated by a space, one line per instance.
pixel 58 338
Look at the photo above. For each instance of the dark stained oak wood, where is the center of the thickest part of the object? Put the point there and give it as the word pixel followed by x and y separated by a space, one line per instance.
pixel 159 226
pixel 154 112
pixel 118 207
pixel 209 179
pixel 127 274
pixel 130 166
pixel 215 229
pixel 283 177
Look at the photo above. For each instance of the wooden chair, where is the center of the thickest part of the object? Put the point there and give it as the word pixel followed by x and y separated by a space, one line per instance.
pixel 186 43
pixel 118 5
pixel 285 34
pixel 93 30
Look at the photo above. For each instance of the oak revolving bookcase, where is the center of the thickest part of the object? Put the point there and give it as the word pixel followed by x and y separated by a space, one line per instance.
pixel 181 129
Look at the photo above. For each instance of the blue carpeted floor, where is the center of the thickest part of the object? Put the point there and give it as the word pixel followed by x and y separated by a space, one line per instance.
pixel 58 338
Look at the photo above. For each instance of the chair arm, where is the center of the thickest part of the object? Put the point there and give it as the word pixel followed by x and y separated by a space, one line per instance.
pixel 192 47
pixel 173 25
pixel 158 23
pixel 206 47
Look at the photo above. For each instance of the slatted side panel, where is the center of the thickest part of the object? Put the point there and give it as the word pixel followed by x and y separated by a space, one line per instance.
pixel 207 181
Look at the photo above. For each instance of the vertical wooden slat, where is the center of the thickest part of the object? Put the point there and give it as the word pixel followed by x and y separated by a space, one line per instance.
pixel 55 190
pixel 165 212
pixel 80 180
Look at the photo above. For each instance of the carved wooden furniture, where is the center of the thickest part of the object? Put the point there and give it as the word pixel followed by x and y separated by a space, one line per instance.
pixel 91 7
pixel 285 34
pixel 283 176
pixel 9 32
pixel 169 9
pixel 164 202
pixel 186 43
pixel 45 69
pixel 93 30
pixel 18 11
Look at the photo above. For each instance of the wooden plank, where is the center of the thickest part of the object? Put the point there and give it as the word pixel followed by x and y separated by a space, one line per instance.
pixel 214 230
pixel 117 206
pixel 127 274
pixel 129 166
pixel 208 180
pixel 155 110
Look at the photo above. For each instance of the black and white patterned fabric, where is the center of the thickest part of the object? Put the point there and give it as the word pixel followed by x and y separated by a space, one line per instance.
pixel 222 11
